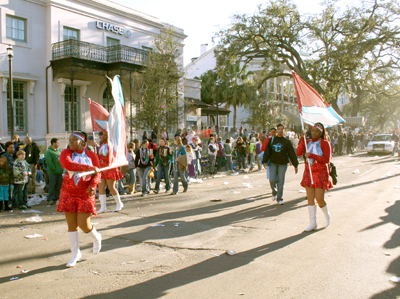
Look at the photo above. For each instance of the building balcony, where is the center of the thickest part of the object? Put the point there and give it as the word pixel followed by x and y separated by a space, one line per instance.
pixel 78 56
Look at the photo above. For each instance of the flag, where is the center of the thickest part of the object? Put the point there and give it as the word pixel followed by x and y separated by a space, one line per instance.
pixel 117 127
pixel 312 106
pixel 99 116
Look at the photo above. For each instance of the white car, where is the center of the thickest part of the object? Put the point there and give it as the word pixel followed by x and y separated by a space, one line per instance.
pixel 380 143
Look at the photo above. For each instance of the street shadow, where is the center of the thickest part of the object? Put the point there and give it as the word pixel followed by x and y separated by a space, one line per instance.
pixel 394 268
pixel 32 272
pixel 159 286
pixel 363 183
pixel 25 223
pixel 41 256
pixel 176 228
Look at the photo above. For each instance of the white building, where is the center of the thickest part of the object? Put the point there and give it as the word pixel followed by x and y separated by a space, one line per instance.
pixel 281 89
pixel 79 41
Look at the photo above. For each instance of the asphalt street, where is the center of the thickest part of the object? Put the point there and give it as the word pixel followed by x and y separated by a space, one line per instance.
pixel 163 246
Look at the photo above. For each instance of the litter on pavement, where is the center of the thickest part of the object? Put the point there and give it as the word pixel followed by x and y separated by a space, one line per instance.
pixel 395 279
pixel 157 224
pixel 32 211
pixel 33 236
pixel 34 219
pixel 230 252
pixel 245 177
pixel 14 278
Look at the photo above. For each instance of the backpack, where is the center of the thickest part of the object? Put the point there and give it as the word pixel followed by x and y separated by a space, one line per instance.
pixel 333 173
pixel 258 148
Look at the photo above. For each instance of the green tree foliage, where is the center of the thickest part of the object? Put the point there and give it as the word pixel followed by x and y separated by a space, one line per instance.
pixel 157 105
pixel 335 52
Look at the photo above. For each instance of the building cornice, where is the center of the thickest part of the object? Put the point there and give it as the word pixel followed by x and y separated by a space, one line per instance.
pixel 200 58
pixel 19 76
pixel 40 2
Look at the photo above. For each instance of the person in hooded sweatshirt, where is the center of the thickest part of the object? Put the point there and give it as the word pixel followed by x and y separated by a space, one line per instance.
pixel 278 153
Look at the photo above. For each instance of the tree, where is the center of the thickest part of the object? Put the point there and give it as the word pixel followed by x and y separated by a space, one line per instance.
pixel 332 51
pixel 159 84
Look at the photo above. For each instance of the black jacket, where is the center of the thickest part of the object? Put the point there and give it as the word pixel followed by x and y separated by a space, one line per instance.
pixel 280 151
pixel 32 153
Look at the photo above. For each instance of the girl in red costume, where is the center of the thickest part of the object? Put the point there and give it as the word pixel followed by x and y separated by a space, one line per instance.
pixel 108 177
pixel 319 154
pixel 77 195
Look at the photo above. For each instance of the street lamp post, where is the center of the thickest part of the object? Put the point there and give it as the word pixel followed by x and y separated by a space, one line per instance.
pixel 10 54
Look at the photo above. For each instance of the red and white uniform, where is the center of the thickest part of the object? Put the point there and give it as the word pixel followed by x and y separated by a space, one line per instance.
pixel 73 194
pixel 320 157
pixel 111 174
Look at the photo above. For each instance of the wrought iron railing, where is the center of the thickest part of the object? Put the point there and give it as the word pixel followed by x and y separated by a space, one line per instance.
pixel 83 50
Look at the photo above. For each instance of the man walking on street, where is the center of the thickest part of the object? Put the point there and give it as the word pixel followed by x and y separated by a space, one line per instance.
pixel 55 170
pixel 32 157
pixel 278 152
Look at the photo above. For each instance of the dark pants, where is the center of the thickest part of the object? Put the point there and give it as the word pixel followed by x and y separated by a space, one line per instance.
pixel 219 163
pixel 242 161
pixel 21 191
pixel 165 170
pixel 55 182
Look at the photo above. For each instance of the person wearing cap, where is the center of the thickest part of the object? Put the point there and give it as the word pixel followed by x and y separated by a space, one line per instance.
pixel 278 153
pixel 77 195
pixel 319 155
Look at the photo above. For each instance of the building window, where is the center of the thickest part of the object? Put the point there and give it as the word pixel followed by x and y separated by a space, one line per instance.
pixel 71 33
pixel 19 102
pixel 16 28
pixel 108 100
pixel 71 109
pixel 112 42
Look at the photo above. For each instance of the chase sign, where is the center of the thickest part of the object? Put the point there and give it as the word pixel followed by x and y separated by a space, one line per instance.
pixel 113 28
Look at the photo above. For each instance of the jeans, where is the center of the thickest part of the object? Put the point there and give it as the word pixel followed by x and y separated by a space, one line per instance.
pixel 242 161
pixel 211 164
pixel 177 174
pixel 31 184
pixel 132 177
pixel 277 178
pixel 160 170
pixel 39 176
pixel 395 148
pixel 145 180
pixel 197 165
pixel 21 193
pixel 120 187
pixel 219 163
pixel 229 165
pixel 55 182
pixel 252 160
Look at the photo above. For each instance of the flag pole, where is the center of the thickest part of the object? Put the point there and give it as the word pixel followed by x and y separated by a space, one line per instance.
pixel 81 174
pixel 305 144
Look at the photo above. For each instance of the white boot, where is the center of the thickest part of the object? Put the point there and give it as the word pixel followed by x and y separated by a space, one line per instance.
pixel 327 215
pixel 312 211
pixel 76 253
pixel 96 237
pixel 103 205
pixel 119 203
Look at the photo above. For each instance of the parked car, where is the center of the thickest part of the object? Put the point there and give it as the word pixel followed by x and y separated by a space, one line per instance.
pixel 380 143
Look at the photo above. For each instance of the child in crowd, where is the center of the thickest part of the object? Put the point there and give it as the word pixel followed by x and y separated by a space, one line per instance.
pixel 212 153
pixel 191 158
pixel 131 168
pixel 252 152
pixel 6 179
pixel 257 151
pixel 228 155
pixel 21 171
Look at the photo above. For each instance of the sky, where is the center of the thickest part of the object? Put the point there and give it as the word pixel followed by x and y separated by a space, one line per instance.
pixel 201 19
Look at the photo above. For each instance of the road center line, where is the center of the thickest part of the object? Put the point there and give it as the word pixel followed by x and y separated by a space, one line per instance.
pixel 367 171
